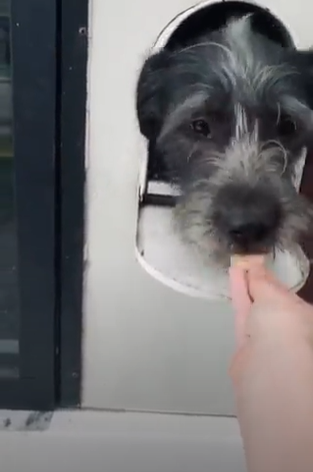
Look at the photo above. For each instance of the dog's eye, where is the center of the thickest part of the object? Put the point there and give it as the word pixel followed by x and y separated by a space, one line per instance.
pixel 286 127
pixel 201 127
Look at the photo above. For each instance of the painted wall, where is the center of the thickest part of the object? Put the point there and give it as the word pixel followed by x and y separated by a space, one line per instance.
pixel 146 347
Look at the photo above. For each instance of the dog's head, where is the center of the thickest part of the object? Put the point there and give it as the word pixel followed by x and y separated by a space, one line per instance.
pixel 227 119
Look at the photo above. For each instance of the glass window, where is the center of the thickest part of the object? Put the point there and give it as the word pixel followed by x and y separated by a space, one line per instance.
pixel 42 119
pixel 9 312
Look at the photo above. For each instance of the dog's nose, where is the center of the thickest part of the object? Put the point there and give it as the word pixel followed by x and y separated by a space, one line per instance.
pixel 248 218
pixel 249 232
pixel 251 229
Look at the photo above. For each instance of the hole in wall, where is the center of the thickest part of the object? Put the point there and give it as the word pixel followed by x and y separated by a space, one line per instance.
pixel 215 15
pixel 159 250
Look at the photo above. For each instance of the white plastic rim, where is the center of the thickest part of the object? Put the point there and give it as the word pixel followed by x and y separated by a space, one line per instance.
pixel 162 254
pixel 216 292
pixel 155 250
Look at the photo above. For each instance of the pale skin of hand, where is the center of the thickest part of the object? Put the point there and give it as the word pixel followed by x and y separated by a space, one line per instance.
pixel 272 372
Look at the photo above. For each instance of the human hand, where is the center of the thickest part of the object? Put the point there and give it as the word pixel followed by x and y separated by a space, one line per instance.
pixel 272 372
pixel 266 315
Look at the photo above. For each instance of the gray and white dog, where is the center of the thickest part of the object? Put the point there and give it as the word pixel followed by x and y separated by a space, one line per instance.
pixel 226 118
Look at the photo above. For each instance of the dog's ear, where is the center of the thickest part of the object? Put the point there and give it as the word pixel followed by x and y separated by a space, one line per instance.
pixel 151 94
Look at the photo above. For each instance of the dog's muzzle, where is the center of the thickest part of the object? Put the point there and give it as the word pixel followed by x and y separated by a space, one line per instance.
pixel 247 218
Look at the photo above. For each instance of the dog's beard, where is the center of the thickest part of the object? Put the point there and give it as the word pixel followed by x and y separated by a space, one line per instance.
pixel 194 222
pixel 248 167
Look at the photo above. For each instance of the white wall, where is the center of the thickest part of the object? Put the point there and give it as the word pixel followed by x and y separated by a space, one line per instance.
pixel 146 347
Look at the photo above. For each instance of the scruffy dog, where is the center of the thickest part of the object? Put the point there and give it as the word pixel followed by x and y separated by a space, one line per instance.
pixel 226 118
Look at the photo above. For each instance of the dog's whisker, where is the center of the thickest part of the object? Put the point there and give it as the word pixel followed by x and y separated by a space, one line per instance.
pixel 190 155
pixel 201 45
pixel 278 113
pixel 271 152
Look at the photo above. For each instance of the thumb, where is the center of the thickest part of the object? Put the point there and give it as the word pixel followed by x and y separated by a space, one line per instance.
pixel 262 284
pixel 241 302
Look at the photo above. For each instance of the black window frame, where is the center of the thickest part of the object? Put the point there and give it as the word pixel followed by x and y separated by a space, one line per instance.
pixel 33 30
pixel 73 60
pixel 49 43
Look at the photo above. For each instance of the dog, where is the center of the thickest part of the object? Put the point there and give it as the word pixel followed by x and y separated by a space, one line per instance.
pixel 226 118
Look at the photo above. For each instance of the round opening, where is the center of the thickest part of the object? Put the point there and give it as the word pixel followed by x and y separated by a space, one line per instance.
pixel 214 15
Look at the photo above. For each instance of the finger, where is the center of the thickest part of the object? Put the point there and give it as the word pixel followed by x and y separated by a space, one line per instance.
pixel 241 302
pixel 239 288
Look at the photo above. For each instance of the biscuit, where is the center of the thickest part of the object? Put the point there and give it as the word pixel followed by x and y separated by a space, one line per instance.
pixel 246 262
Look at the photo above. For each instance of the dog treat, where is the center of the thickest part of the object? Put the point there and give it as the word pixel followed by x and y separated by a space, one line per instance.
pixel 247 261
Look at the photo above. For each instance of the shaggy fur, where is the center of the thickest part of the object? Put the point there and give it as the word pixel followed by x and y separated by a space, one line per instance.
pixel 226 119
